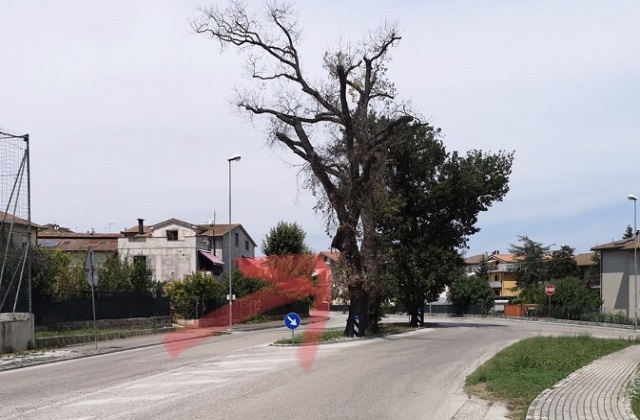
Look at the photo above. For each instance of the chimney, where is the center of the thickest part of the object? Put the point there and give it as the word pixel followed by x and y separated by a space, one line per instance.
pixel 140 226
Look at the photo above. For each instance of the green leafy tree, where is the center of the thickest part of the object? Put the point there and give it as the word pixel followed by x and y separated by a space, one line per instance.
pixel 434 198
pixel 573 299
pixel 562 264
pixel 55 277
pixel 483 268
pixel 628 233
pixel 193 290
pixel 471 290
pixel 531 270
pixel 114 274
pixel 122 275
pixel 593 274
pixel 285 239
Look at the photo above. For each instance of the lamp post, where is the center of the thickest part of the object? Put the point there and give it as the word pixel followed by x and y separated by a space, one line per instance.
pixel 635 260
pixel 233 158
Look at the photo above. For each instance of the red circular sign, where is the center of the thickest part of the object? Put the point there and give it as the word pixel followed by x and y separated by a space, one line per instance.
pixel 549 289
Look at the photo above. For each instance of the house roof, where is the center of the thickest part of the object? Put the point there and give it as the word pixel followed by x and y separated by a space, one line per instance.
pixel 207 230
pixel 76 242
pixel 218 230
pixel 584 259
pixel 8 218
pixel 475 259
pixel 622 244
pixel 505 258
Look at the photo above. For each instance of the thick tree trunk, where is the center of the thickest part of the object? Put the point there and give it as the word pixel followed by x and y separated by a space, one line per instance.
pixel 358 320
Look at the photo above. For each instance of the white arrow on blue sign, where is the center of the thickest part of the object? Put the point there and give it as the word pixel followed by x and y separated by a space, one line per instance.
pixel 292 320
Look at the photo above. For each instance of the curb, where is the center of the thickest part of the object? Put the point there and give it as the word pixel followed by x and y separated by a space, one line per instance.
pixel 68 340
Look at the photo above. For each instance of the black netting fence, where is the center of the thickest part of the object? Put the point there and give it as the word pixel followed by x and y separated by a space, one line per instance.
pixel 17 234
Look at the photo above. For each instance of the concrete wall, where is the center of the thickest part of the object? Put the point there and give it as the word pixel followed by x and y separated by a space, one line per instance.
pixel 244 247
pixel 166 259
pixel 16 332
pixel 616 266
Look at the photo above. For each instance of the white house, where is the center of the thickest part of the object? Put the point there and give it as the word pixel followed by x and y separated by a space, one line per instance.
pixel 174 248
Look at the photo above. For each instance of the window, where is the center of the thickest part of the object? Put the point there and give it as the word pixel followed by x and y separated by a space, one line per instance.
pixel 237 240
pixel 246 245
pixel 172 235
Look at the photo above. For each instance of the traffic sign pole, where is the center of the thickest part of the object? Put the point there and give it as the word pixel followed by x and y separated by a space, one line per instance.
pixel 91 267
pixel 292 321
pixel 549 289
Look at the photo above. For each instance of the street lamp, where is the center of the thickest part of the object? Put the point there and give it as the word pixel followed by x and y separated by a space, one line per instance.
pixel 635 260
pixel 233 158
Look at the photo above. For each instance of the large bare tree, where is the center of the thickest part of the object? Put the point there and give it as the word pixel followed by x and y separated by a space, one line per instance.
pixel 340 126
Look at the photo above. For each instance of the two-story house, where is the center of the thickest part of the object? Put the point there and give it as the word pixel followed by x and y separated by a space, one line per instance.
pixel 174 248
pixel 619 283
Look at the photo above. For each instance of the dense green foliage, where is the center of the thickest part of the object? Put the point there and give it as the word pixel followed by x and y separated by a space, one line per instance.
pixel 562 264
pixel 189 293
pixel 55 276
pixel 116 274
pixel 483 268
pixel 285 239
pixel 434 198
pixel 522 371
pixel 471 290
pixel 59 275
pixel 572 299
pixel 531 269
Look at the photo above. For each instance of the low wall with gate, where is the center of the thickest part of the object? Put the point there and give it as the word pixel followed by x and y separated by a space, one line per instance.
pixel 16 332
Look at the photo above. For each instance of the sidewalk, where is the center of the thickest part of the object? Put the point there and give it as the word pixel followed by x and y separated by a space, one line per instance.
pixel 38 357
pixel 598 391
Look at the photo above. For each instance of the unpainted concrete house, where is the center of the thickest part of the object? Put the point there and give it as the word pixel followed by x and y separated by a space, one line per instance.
pixel 174 248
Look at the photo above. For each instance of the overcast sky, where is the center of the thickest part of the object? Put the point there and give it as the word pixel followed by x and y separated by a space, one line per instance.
pixel 128 111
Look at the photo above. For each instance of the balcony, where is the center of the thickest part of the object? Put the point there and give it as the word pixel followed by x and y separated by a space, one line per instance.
pixel 501 268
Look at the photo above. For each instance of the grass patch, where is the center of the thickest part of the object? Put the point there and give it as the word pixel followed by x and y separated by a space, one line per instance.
pixel 634 393
pixel 83 331
pixel 519 373
pixel 337 335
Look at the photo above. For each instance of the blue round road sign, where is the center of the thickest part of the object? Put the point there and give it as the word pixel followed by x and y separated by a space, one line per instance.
pixel 292 320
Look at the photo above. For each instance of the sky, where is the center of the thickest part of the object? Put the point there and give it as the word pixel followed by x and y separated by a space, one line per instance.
pixel 129 114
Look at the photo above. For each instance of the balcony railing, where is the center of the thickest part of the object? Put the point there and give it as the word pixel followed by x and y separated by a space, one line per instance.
pixel 503 267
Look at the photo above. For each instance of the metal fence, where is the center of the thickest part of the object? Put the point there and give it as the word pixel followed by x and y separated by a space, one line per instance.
pixel 17 235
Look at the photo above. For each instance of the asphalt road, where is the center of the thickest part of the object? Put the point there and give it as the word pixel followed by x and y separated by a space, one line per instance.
pixel 417 375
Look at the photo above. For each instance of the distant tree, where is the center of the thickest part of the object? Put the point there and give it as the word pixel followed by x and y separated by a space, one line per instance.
pixel 243 286
pixel 628 232
pixel 572 299
pixel 55 277
pixel 114 274
pixel 471 290
pixel 562 264
pixel 122 275
pixel 531 266
pixel 593 274
pixel 192 290
pixel 285 239
pixel 483 268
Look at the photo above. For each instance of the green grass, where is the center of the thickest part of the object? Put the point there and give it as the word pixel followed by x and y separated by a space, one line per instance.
pixel 634 392
pixel 335 335
pixel 83 331
pixel 519 373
